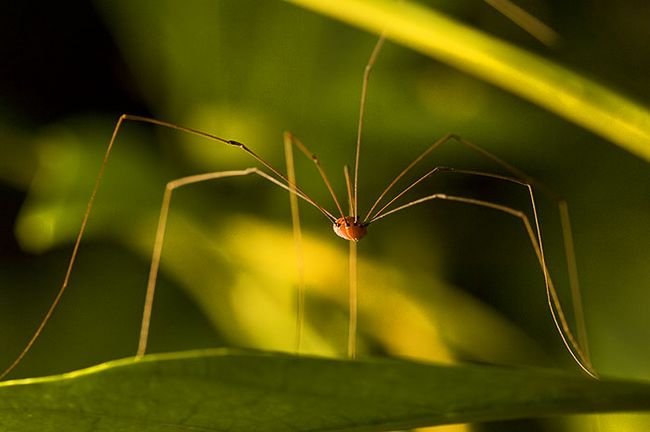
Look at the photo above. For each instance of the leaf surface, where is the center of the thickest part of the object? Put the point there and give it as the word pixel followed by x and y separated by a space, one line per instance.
pixel 214 390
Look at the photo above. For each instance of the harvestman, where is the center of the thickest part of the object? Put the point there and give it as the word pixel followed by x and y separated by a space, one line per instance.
pixel 350 227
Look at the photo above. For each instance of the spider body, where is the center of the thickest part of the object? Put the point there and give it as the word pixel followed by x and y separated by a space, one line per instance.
pixel 350 229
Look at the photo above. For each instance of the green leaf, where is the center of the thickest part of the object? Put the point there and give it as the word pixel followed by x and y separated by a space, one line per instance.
pixel 245 391
pixel 547 84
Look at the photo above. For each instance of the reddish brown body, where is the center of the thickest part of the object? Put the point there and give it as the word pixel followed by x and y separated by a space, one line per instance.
pixel 348 229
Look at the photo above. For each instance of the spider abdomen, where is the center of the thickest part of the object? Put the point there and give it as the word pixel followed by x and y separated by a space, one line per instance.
pixel 349 229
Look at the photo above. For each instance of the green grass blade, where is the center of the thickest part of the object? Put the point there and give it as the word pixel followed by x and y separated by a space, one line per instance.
pixel 547 84
pixel 244 391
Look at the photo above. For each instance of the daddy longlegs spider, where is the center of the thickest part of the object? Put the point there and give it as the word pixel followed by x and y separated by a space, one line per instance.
pixel 349 226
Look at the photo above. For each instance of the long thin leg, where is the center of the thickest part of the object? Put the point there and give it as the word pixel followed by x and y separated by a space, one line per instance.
pixel 353 290
pixel 348 185
pixel 98 180
pixel 557 312
pixel 297 238
pixel 523 178
pixel 526 21
pixel 369 216
pixel 353 279
pixel 458 139
pixel 353 285
pixel 160 237
pixel 362 107
pixel 442 169
pixel 519 16
pixel 289 140
pixel 242 146
pixel 295 141
pixel 574 283
pixel 73 257
pixel 529 23
pixel 519 177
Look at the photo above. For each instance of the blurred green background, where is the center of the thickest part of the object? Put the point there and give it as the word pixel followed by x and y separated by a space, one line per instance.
pixel 442 281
